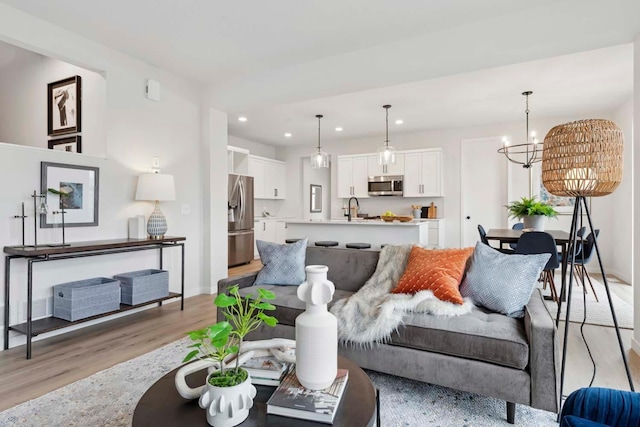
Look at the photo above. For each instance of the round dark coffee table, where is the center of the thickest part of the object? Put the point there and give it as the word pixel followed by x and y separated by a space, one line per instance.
pixel 161 405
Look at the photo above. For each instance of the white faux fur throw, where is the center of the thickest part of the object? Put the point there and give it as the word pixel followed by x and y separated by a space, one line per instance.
pixel 372 314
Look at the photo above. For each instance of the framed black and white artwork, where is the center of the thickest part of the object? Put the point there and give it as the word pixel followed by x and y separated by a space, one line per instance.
pixel 79 186
pixel 64 109
pixel 72 144
pixel 315 193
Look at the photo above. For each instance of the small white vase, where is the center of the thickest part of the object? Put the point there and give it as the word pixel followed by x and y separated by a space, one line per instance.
pixel 534 221
pixel 417 213
pixel 316 332
pixel 227 406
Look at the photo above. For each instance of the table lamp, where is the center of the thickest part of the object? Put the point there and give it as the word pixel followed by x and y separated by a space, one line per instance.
pixel 583 159
pixel 156 187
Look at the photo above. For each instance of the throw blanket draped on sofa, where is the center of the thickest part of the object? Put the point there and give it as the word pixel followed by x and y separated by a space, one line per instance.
pixel 372 314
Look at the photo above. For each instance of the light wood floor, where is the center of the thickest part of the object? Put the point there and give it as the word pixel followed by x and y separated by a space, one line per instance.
pixel 61 360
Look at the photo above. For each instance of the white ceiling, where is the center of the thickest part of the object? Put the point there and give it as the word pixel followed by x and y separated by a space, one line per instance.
pixel 440 63
pixel 214 40
pixel 577 84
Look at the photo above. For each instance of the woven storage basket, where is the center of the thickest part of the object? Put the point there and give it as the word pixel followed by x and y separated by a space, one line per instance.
pixel 583 158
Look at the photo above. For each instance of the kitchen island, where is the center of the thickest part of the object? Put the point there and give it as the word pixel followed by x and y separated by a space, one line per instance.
pixel 425 232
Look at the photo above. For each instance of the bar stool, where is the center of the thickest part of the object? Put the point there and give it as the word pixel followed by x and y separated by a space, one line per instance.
pixel 292 240
pixel 326 243
pixel 358 245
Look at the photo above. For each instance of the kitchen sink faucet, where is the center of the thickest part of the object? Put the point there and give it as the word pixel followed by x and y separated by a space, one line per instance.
pixel 349 208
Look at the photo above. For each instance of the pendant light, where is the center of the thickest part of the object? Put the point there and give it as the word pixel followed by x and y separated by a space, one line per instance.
pixel 386 153
pixel 319 159
pixel 526 153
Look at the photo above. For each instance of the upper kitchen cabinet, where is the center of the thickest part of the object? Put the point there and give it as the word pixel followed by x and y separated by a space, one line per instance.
pixel 268 178
pixel 376 169
pixel 237 160
pixel 352 176
pixel 423 173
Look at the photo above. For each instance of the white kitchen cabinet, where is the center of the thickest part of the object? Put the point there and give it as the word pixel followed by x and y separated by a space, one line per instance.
pixel 352 176
pixel 237 160
pixel 423 173
pixel 374 169
pixel 269 179
pixel 269 230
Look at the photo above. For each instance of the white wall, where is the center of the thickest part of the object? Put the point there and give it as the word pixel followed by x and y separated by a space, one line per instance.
pixel 23 104
pixel 321 176
pixel 620 203
pixel 137 129
pixel 255 148
pixel 449 206
pixel 636 194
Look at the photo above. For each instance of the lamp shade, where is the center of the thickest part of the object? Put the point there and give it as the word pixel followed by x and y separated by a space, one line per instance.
pixel 155 186
pixel 583 158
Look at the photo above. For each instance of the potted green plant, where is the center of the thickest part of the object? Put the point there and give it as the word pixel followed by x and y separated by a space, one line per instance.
pixel 230 385
pixel 532 212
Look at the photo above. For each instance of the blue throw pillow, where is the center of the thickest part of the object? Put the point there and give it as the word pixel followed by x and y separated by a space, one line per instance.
pixel 283 264
pixel 502 282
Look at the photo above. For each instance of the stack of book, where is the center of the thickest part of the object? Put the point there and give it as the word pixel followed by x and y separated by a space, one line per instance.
pixel 266 370
pixel 291 399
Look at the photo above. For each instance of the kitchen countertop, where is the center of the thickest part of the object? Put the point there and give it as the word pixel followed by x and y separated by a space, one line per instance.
pixel 267 218
pixel 376 222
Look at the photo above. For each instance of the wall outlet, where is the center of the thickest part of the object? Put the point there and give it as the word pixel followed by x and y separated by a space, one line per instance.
pixel 155 162
pixel 185 209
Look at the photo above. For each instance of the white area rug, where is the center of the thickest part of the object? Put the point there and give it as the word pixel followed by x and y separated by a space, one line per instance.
pixel 598 313
pixel 109 397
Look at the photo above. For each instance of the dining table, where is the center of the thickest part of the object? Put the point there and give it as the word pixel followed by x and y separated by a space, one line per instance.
pixel 508 235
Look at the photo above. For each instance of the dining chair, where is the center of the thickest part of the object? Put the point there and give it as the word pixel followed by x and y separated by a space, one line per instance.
pixel 483 235
pixel 516 226
pixel 483 239
pixel 539 242
pixel 580 234
pixel 584 257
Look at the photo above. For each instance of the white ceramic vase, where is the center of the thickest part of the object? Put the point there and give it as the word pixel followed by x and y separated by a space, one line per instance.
pixel 316 332
pixel 227 406
pixel 534 221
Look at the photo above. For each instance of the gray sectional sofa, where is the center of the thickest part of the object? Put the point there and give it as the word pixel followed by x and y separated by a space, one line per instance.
pixel 515 360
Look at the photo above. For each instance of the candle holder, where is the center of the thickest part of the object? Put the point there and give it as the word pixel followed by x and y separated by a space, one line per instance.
pixel 40 210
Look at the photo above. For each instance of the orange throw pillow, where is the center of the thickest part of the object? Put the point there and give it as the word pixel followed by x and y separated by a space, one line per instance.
pixel 437 270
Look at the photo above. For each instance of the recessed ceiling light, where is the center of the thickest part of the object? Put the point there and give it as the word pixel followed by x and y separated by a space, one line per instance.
pixel 399 121
pixel 338 129
pixel 242 119
pixel 287 135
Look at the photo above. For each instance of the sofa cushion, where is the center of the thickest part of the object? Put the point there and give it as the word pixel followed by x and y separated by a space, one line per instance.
pixel 480 335
pixel 501 282
pixel 283 264
pixel 437 270
pixel 349 269
pixel 288 306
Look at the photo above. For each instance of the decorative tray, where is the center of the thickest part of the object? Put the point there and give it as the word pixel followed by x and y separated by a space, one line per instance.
pixel 401 218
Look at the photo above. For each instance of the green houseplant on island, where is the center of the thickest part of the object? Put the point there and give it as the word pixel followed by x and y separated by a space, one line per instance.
pixel 532 212
pixel 221 343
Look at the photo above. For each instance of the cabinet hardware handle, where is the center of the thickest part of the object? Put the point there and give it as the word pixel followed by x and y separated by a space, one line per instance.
pixel 276 192
pixel 264 226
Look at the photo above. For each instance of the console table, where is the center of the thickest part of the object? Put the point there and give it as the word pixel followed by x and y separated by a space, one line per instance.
pixel 44 253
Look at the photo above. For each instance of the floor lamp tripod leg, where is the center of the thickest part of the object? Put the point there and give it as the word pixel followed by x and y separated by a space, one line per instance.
pixel 565 262
pixel 606 287
pixel 571 260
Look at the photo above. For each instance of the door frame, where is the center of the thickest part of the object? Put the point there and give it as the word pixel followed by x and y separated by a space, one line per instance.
pixel 462 176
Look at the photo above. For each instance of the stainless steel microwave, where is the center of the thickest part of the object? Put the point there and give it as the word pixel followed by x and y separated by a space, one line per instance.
pixel 388 185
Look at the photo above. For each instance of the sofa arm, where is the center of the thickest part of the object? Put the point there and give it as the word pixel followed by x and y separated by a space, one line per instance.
pixel 544 357
pixel 243 281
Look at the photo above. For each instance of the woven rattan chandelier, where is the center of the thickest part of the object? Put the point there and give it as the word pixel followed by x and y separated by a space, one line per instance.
pixel 583 158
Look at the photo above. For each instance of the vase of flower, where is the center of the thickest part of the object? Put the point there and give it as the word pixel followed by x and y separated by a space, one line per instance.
pixel 316 332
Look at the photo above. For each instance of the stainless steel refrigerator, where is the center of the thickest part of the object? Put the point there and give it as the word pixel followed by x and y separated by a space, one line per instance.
pixel 240 213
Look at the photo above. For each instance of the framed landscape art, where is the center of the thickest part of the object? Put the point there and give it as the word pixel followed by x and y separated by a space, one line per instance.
pixel 64 109
pixel 80 185
pixel 72 144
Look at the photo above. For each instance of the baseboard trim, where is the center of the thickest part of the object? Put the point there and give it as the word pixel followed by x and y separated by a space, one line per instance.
pixel 635 346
